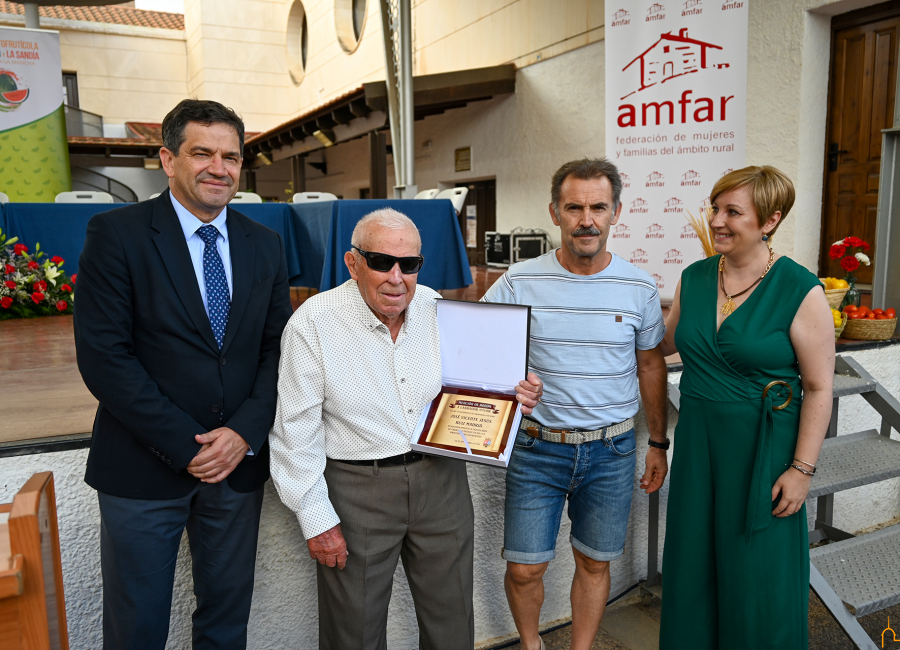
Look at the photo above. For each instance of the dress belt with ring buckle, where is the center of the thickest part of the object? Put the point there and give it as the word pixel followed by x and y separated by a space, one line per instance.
pixel 759 499
pixel 537 430
pixel 390 461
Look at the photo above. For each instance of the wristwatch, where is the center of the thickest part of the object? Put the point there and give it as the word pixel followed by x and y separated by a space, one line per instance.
pixel 660 445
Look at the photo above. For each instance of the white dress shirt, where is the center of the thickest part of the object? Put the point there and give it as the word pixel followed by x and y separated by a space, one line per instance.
pixel 190 225
pixel 347 391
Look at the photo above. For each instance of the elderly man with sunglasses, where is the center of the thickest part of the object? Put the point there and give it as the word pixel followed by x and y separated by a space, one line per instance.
pixel 359 364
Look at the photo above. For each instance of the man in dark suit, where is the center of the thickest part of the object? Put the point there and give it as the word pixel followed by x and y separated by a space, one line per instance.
pixel 181 304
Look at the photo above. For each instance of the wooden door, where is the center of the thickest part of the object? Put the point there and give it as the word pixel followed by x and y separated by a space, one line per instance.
pixel 482 199
pixel 861 104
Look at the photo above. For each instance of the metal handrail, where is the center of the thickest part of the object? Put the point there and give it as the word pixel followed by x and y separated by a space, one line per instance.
pixel 120 192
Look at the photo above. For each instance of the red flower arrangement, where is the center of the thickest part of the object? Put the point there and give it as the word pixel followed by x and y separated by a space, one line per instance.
pixel 843 250
pixel 31 286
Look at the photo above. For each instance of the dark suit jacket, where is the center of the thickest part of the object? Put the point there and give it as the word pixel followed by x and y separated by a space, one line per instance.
pixel 147 352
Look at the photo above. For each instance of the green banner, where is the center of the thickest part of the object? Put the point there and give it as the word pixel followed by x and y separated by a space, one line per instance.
pixel 34 152
pixel 34 159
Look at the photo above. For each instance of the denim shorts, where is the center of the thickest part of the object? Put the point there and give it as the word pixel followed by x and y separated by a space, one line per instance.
pixel 596 477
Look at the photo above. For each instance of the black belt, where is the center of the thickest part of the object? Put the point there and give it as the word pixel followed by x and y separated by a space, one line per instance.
pixel 391 461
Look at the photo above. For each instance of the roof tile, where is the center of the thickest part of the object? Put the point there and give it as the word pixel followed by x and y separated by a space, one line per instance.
pixel 109 14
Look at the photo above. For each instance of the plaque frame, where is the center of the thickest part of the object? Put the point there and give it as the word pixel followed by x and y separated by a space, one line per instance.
pixel 484 353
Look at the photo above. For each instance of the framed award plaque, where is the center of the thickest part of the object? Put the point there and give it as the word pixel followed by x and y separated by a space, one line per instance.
pixel 469 421
pixel 484 353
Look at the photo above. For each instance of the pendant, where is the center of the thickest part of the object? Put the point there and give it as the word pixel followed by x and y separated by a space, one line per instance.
pixel 729 306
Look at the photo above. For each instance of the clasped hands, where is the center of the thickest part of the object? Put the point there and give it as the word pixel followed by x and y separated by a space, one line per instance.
pixel 222 450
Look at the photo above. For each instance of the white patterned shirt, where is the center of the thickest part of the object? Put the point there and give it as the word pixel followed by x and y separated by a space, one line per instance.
pixel 347 391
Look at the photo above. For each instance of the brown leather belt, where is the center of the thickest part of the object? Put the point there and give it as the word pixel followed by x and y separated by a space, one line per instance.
pixel 571 437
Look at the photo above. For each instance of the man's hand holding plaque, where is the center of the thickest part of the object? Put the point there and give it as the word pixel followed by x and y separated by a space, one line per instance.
pixel 477 422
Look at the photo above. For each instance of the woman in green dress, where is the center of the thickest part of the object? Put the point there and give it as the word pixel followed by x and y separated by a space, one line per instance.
pixel 756 337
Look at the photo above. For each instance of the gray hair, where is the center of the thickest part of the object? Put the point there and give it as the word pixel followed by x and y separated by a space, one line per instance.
pixel 383 218
pixel 586 169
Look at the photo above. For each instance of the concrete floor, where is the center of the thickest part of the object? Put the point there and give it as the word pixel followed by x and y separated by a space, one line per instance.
pixel 636 627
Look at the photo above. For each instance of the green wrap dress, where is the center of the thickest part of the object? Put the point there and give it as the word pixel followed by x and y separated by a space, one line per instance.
pixel 734 576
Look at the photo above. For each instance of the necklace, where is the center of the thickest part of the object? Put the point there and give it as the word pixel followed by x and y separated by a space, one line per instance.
pixel 729 306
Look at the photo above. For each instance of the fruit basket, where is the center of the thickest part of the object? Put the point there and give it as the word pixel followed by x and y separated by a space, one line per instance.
pixel 864 329
pixel 840 328
pixel 835 295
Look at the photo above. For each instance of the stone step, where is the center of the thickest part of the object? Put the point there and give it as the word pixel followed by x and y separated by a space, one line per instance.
pixel 864 571
pixel 853 460
pixel 632 628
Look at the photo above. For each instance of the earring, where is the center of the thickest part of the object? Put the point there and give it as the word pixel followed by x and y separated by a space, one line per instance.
pixel 765 238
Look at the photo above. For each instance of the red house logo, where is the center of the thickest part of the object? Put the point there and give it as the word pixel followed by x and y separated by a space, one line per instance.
pixel 639 205
pixel 690 178
pixel 658 279
pixel 639 256
pixel 687 232
pixel 673 256
pixel 620 18
pixel 621 231
pixel 727 171
pixel 673 205
pixel 692 8
pixel 655 12
pixel 655 179
pixel 672 56
pixel 626 180
pixel 655 231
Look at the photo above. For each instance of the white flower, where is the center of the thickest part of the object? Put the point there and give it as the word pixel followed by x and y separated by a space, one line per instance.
pixel 51 273
pixel 863 258
pixel 838 242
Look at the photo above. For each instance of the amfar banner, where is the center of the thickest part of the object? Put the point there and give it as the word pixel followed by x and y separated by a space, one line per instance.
pixel 676 97
pixel 34 154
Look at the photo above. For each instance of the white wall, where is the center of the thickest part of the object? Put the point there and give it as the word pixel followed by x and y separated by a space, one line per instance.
pixel 284 613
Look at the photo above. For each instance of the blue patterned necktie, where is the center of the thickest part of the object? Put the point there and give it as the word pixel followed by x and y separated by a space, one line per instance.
pixel 218 302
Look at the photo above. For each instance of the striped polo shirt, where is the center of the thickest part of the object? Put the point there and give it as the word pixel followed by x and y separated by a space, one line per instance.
pixel 584 332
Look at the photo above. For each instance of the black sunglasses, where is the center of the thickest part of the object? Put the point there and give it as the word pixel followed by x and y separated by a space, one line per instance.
pixel 384 262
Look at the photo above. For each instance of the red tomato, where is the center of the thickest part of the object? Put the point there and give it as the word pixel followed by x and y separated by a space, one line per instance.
pixel 870 316
pixel 850 308
pixel 890 313
pixel 878 312
pixel 882 317
pixel 854 315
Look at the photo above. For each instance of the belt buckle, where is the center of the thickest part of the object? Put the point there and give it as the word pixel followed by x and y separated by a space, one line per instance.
pixel 778 382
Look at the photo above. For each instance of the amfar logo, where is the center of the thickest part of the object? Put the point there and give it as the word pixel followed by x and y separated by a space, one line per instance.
pixel 620 18
pixel 673 205
pixel 670 57
pixel 655 12
pixel 658 279
pixel 692 8
pixel 655 231
pixel 621 231
pixel 690 177
pixel 626 181
pixel 639 256
pixel 727 171
pixel 639 205
pixel 673 256
pixel 688 232
pixel 656 179
pixel 732 5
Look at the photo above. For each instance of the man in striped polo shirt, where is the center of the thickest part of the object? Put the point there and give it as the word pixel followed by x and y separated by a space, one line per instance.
pixel 596 324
